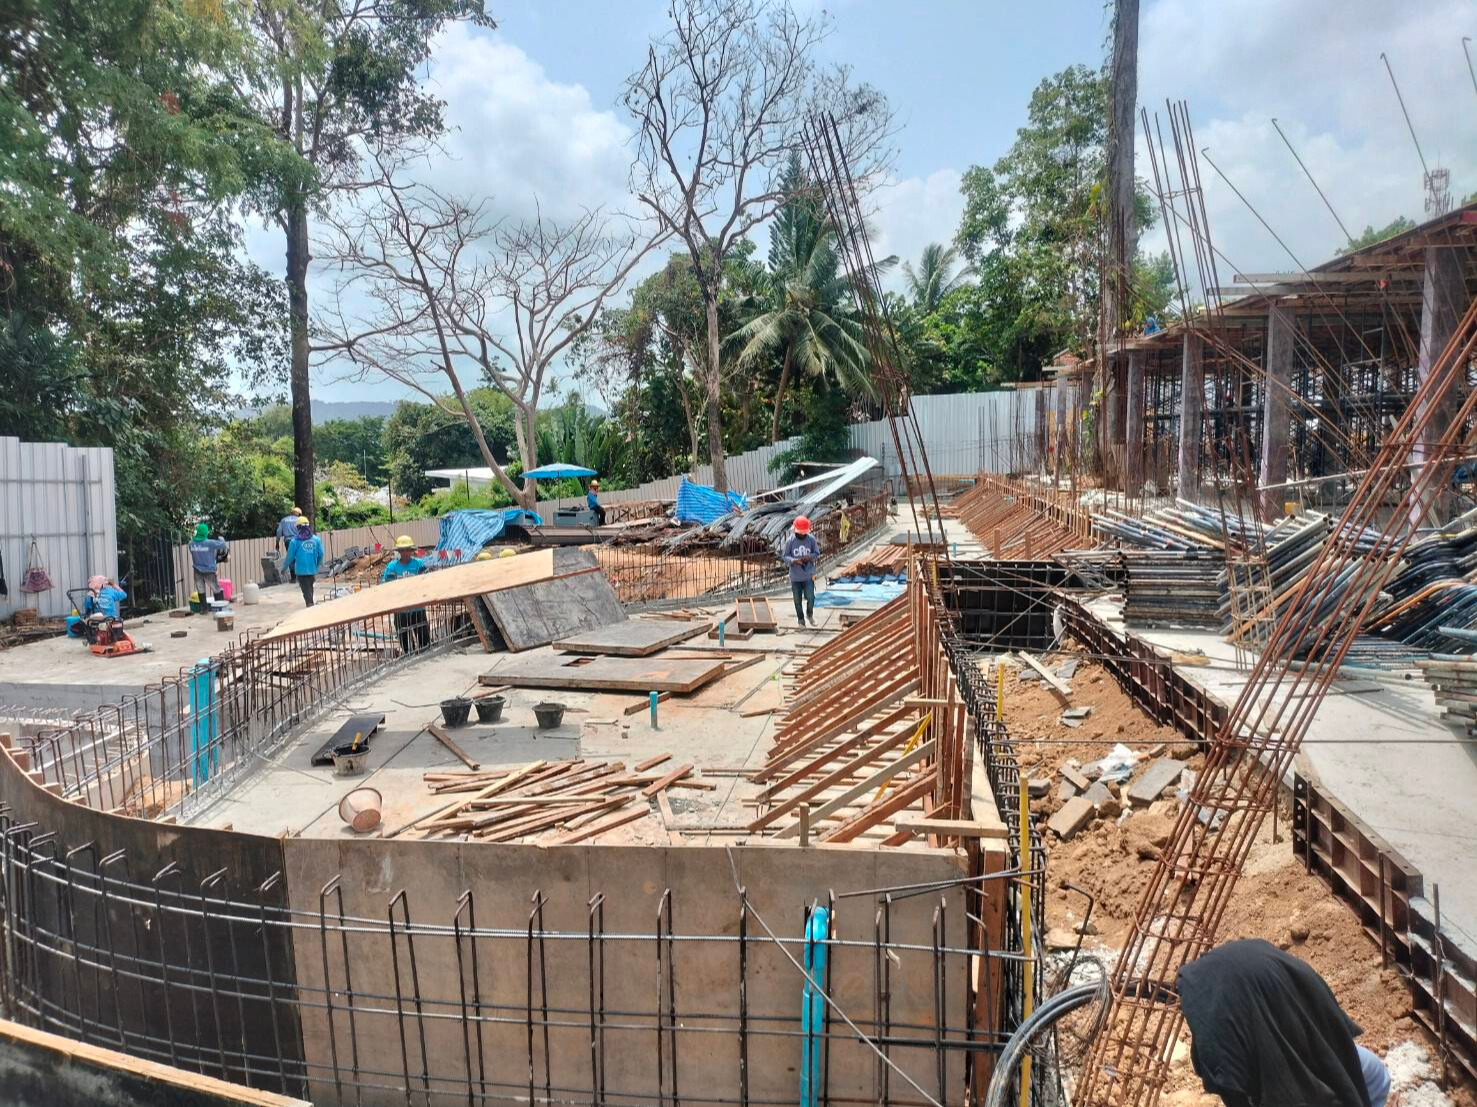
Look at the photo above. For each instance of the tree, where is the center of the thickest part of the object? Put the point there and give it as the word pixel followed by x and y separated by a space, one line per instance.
pixel 357 443
pixel 418 437
pixel 935 276
pixel 805 321
pixel 332 79
pixel 719 107
pixel 438 277
pixel 1120 187
pixel 1370 235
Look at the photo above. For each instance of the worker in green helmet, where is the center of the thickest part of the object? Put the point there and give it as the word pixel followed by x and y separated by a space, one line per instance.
pixel 206 554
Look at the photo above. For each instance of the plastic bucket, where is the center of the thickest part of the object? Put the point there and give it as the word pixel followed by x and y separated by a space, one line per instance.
pixel 228 589
pixel 455 711
pixel 489 709
pixel 549 715
pixel 361 809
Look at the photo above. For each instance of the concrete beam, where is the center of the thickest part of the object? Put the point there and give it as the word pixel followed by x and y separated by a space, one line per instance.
pixel 1133 447
pixel 1444 300
pixel 1192 414
pixel 1277 366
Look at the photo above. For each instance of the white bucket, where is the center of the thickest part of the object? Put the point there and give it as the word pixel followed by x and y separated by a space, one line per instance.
pixel 251 593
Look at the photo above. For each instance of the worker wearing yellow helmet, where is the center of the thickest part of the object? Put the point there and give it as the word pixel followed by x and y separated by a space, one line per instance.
pixel 411 626
pixel 485 555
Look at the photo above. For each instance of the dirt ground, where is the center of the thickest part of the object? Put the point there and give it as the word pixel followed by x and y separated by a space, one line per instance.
pixel 1276 899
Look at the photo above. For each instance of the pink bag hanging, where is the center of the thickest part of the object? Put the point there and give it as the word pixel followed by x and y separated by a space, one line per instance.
pixel 36 579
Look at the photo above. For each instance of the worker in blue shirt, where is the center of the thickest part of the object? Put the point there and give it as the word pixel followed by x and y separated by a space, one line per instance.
pixel 304 555
pixel 206 554
pixel 287 531
pixel 801 552
pixel 412 627
pixel 592 499
pixel 103 597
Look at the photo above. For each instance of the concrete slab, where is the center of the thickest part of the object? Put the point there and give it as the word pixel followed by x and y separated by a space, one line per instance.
pixel 1387 756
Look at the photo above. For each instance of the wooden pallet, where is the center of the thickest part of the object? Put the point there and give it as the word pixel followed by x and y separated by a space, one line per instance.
pixel 753 613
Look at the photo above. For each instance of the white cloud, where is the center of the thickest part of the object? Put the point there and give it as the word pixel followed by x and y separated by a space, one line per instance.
pixel 1314 66
pixel 914 211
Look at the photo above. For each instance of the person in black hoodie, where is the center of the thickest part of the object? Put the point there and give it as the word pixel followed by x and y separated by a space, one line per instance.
pixel 1267 1032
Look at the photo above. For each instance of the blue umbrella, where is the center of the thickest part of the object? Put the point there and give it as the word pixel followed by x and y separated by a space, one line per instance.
pixel 557 470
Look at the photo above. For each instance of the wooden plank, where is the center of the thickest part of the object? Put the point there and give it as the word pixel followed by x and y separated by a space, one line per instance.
pixel 645 705
pixel 595 829
pixel 608 674
pixel 731 629
pixel 667 781
pixel 443 586
pixel 835 776
pixel 445 739
pixel 889 805
pixel 1052 680
pixel 754 613
pixel 544 611
pixel 949 828
pixel 876 780
pixel 630 637
pixel 652 762
pixel 669 820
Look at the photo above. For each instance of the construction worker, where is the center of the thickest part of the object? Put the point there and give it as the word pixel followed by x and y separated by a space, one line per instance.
pixel 1266 1031
pixel 412 627
pixel 592 500
pixel 287 527
pixel 104 597
pixel 206 554
pixel 304 555
pixel 801 552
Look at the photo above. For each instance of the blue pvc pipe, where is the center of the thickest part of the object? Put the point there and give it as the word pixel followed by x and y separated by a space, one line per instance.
pixel 813 1006
pixel 203 721
pixel 655 699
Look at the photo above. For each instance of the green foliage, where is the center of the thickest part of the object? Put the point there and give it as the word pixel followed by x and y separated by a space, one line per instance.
pixel 575 435
pixel 826 435
pixel 938 274
pixel 1370 235
pixel 420 436
pixel 355 443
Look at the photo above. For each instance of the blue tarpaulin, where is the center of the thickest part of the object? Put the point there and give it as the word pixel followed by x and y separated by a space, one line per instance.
pixel 464 533
pixel 698 503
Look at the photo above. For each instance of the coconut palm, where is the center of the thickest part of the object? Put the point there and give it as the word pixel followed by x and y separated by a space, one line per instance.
pixel 806 320
pixel 935 277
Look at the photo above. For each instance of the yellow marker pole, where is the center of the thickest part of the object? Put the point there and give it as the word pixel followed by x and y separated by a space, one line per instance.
pixel 1028 981
pixel 1000 692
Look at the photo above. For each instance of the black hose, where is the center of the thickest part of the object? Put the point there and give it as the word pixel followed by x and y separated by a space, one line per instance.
pixel 1043 1017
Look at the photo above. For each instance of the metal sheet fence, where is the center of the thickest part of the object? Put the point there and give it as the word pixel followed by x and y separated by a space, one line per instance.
pixel 62 498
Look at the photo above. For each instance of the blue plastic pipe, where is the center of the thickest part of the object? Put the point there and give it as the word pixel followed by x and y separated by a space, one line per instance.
pixel 813 1006
pixel 655 699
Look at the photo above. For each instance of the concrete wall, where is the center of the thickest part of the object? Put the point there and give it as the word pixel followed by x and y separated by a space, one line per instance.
pixel 706 996
pixel 63 498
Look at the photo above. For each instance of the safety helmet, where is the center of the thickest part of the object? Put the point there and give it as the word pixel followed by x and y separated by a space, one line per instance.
pixel 302 521
pixel 485 555
pixel 96 583
pixel 595 485
pixel 296 510
pixel 508 551
pixel 202 530
pixel 405 542
pixel 802 524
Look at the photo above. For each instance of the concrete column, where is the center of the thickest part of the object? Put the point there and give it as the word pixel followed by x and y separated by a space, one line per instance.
pixel 1192 414
pixel 1059 428
pixel 1277 362
pixel 1444 300
pixel 1113 420
pixel 1133 446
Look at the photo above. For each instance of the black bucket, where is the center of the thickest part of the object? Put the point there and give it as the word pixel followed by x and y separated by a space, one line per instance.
pixel 489 709
pixel 549 715
pixel 455 711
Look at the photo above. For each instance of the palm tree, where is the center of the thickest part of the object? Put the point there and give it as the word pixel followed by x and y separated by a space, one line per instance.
pixel 935 277
pixel 806 318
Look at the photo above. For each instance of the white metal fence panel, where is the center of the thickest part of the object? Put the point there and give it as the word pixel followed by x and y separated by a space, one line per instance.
pixel 62 498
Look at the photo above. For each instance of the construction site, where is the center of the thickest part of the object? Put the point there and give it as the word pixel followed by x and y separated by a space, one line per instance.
pixel 1184 652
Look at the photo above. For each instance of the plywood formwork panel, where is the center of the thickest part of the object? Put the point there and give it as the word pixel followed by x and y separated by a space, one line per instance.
pixel 537 613
pixel 631 637
pixel 609 674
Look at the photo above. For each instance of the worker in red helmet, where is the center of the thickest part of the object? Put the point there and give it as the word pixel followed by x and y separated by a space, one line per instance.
pixel 801 552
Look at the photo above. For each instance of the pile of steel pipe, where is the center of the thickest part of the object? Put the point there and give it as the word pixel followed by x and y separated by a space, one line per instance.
pixel 1173 588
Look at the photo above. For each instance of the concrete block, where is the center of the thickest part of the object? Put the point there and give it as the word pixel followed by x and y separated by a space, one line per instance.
pixel 1103 800
pixel 1076 778
pixel 1038 786
pixel 1072 817
pixel 1162 773
pixel 1065 791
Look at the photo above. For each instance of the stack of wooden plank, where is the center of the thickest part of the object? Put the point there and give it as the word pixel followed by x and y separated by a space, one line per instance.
pixel 557 802
pixel 887 559
pixel 1453 678
pixel 1016 522
pixel 872 744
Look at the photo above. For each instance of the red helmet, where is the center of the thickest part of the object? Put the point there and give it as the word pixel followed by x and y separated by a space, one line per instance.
pixel 802 524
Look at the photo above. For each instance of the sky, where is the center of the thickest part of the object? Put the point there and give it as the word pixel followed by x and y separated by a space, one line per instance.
pixel 534 112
